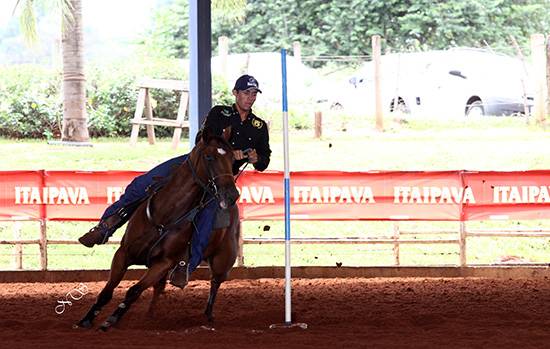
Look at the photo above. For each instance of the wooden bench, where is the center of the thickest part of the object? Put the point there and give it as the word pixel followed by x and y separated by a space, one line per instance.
pixel 143 104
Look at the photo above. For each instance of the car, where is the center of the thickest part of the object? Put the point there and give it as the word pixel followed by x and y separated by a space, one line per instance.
pixel 442 83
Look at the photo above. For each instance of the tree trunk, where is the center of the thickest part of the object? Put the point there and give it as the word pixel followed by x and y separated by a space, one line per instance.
pixel 75 128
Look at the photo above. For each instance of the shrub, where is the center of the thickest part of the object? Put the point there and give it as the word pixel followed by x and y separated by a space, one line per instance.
pixel 31 107
pixel 29 102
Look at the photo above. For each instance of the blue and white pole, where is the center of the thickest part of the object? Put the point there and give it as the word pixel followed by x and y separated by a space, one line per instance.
pixel 288 316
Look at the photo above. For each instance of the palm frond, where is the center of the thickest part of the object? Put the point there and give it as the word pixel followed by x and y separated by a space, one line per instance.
pixel 230 9
pixel 27 16
pixel 27 21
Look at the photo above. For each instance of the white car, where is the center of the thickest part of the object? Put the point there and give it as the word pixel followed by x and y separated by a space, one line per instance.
pixel 449 83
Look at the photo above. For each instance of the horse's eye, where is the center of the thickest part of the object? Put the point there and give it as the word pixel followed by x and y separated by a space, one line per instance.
pixel 209 158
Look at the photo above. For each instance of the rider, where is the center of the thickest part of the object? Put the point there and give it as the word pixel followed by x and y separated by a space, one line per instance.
pixel 250 140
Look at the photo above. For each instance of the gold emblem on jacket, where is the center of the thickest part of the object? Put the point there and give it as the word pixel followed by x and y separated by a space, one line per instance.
pixel 257 123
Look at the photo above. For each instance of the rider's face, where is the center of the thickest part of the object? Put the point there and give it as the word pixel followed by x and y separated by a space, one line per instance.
pixel 245 98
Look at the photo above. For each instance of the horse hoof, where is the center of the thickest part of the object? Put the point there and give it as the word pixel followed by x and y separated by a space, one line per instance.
pixel 83 324
pixel 105 326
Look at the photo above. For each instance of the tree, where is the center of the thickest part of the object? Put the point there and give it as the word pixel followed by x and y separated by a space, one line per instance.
pixel 345 27
pixel 169 35
pixel 75 128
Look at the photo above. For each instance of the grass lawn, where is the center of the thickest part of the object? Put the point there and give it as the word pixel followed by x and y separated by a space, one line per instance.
pixel 492 143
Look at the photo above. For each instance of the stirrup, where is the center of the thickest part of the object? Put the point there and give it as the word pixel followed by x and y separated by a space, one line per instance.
pixel 179 275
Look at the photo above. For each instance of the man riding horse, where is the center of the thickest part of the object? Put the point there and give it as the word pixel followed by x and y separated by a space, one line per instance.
pixel 249 138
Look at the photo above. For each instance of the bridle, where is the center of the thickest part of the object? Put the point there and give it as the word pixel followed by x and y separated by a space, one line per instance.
pixel 210 187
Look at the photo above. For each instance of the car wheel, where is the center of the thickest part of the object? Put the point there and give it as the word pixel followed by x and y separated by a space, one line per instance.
pixel 475 109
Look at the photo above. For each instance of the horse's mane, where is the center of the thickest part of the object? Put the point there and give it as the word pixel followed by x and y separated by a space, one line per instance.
pixel 206 135
pixel 201 143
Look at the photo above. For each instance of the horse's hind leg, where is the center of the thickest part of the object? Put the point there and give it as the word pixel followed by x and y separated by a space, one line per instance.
pixel 158 290
pixel 119 266
pixel 151 277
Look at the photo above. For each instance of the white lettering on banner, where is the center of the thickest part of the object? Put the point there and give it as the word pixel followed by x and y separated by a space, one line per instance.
pixel 333 195
pixel 114 193
pixel 524 194
pixel 257 195
pixel 51 196
pixel 433 195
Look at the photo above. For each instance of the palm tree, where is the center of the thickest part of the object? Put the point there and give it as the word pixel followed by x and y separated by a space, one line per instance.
pixel 75 128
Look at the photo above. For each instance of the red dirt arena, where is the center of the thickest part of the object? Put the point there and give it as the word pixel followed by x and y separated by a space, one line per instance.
pixel 340 313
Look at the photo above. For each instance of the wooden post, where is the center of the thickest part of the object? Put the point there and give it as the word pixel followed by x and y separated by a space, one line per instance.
pixel 240 253
pixel 396 234
pixel 223 52
pixel 525 71
pixel 538 57
pixel 462 244
pixel 297 50
pixel 149 116
pixel 184 101
pixel 376 57
pixel 140 104
pixel 548 75
pixel 18 249
pixel 318 124
pixel 43 246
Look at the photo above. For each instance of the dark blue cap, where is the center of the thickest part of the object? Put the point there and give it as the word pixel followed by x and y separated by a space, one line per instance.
pixel 246 82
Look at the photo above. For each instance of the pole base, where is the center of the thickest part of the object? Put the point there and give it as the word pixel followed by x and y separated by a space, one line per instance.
pixel 301 325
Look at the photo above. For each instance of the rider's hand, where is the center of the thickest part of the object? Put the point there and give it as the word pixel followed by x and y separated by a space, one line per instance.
pixel 251 155
pixel 239 155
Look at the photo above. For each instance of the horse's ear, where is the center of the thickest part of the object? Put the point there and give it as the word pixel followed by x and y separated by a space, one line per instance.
pixel 226 133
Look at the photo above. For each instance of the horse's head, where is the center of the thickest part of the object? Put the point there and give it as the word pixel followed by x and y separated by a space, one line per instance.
pixel 213 159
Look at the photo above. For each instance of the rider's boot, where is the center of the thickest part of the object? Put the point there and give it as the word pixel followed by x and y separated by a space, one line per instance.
pixel 100 233
pixel 179 276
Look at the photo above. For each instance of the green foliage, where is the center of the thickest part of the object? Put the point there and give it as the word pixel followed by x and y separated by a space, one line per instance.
pixel 30 101
pixel 30 106
pixel 345 27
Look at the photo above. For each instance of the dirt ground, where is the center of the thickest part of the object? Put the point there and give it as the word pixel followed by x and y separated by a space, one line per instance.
pixel 342 313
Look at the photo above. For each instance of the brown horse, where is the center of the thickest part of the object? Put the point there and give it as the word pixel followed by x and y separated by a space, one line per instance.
pixel 160 230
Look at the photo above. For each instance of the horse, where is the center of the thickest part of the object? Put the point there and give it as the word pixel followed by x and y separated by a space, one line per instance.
pixel 159 231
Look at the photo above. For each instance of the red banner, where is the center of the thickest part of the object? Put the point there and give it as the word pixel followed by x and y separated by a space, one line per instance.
pixel 447 195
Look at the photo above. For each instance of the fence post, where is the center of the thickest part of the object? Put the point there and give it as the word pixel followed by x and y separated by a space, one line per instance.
pixel 318 124
pixel 223 51
pixel 240 253
pixel 376 57
pixel 18 249
pixel 396 234
pixel 526 73
pixel 297 50
pixel 462 244
pixel 548 74
pixel 43 246
pixel 538 57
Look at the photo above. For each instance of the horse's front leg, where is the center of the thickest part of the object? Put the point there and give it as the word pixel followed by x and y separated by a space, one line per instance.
pixel 119 266
pixel 151 277
pixel 214 287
